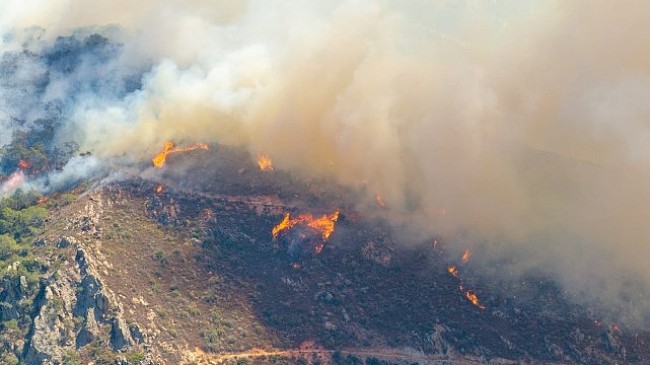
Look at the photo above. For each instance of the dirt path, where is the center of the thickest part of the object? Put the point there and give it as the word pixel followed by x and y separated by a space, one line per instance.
pixel 198 357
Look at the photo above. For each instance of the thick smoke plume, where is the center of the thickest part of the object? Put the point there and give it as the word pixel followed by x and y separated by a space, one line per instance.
pixel 522 127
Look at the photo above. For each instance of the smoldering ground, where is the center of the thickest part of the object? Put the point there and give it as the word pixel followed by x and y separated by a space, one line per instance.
pixel 526 123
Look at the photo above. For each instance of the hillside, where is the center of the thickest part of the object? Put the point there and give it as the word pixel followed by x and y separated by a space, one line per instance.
pixel 166 270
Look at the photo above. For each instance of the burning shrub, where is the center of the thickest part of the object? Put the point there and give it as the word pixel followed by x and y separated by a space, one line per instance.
pixel 305 234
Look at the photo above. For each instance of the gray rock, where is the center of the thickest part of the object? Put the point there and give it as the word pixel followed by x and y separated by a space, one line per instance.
pixel 23 284
pixel 66 241
pixel 329 326
pixel 346 316
pixel 40 242
pixel 120 335
pixel 136 334
pixel 90 330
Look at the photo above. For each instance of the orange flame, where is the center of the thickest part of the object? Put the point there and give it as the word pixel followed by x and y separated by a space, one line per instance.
pixel 159 189
pixel 472 297
pixel 285 224
pixel 467 254
pixel 324 224
pixel 264 162
pixel 159 160
pixel 24 164
pixel 453 271
pixel 42 200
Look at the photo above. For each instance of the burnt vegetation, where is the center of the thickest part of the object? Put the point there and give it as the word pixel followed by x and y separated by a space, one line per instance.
pixel 365 289
pixel 198 266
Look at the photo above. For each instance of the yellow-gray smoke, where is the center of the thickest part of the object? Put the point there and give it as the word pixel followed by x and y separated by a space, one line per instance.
pixel 525 123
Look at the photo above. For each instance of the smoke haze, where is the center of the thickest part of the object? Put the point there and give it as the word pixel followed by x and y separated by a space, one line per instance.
pixel 525 123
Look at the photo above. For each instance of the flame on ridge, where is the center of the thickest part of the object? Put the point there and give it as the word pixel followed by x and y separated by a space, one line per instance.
pixel 169 148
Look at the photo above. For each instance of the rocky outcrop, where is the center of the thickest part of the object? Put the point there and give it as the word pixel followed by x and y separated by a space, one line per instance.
pixel 120 334
pixel 52 329
pixel 89 331
pixel 14 289
pixel 65 241
pixel 75 308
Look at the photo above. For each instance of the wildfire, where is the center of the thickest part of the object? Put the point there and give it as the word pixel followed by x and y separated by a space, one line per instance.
pixel 453 271
pixel 24 164
pixel 159 160
pixel 42 200
pixel 471 296
pixel 264 162
pixel 159 189
pixel 467 254
pixel 324 224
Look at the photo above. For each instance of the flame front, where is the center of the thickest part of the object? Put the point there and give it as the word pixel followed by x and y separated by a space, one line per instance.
pixel 323 225
pixel 453 271
pixel 159 189
pixel 285 224
pixel 264 162
pixel 169 148
pixel 472 297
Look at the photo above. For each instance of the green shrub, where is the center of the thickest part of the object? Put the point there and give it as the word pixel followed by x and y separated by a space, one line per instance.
pixel 8 246
pixel 71 357
pixel 10 325
pixel 9 359
pixel 135 357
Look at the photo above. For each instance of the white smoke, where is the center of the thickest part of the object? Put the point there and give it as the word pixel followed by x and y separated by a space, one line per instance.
pixel 526 121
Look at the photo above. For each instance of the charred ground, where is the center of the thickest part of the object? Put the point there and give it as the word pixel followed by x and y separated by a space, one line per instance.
pixel 196 266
